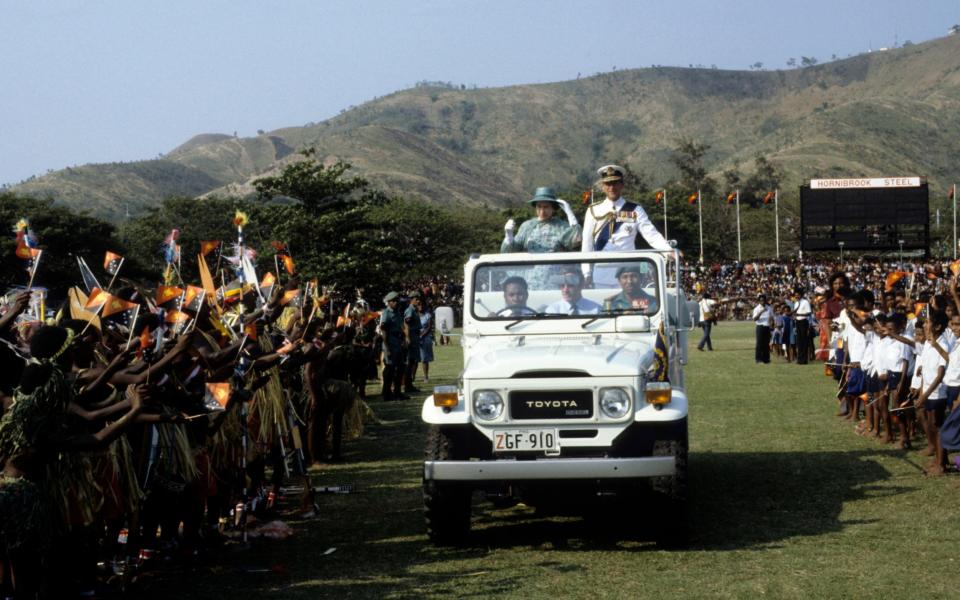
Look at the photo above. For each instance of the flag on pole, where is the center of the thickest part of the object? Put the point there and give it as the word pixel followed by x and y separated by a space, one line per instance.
pixel 658 197
pixel 283 252
pixel 952 192
pixel 117 309
pixel 266 285
pixel 89 279
pixel 206 247
pixel 193 299
pixel 692 198
pixel 96 299
pixel 27 243
pixel 731 197
pixel 585 197
pixel 661 371
pixel 206 279
pixel 216 396
pixel 78 307
pixel 111 262
pixel 769 197
pixel 955 267
pixel 166 293
pixel 290 296
pixel 894 277
pixel 145 340
pixel 175 316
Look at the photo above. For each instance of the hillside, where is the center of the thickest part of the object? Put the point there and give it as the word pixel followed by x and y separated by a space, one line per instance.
pixel 894 112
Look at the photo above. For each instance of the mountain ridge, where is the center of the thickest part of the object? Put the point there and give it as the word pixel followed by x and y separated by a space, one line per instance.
pixel 884 113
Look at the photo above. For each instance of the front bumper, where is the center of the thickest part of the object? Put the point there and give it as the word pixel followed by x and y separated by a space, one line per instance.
pixel 548 469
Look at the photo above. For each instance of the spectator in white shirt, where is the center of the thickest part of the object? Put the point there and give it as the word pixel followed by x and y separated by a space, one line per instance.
pixel 762 318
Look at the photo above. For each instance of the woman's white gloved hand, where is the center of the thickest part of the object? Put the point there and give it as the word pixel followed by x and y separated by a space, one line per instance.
pixel 565 207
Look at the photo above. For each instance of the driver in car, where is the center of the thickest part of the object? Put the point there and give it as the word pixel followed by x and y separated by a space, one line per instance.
pixel 515 296
pixel 631 297
pixel 571 300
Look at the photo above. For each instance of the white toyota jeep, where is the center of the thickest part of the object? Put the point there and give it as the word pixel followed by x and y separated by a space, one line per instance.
pixel 572 382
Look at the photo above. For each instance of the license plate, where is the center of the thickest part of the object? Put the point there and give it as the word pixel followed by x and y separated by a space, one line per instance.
pixel 519 440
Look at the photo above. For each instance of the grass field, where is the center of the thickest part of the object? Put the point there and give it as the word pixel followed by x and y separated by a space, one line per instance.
pixel 786 502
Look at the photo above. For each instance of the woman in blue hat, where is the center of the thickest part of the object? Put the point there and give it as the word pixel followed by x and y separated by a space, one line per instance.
pixel 548 232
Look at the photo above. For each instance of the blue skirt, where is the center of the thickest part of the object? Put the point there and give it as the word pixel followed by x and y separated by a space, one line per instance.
pixel 426 348
pixel 950 431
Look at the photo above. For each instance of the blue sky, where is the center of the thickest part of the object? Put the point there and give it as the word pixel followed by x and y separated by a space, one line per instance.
pixel 108 80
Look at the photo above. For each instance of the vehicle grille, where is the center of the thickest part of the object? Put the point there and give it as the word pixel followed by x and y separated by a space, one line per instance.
pixel 553 404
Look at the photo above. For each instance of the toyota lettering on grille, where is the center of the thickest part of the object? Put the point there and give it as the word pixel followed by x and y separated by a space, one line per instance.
pixel 552 404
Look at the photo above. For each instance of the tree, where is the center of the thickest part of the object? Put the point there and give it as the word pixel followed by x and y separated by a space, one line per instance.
pixel 63 235
pixel 317 188
pixel 791 62
pixel 757 66
pixel 807 61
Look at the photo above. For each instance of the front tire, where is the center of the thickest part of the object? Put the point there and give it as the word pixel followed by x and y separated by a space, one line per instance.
pixel 446 505
pixel 671 492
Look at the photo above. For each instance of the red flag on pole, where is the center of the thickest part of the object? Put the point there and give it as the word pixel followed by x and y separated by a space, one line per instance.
pixel 769 197
pixel 692 198
pixel 731 197
pixel 111 262
pixel 658 197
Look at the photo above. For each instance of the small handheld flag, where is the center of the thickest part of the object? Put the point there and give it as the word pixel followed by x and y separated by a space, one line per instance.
pixel 206 247
pixel 166 293
pixel 661 370
pixel 290 296
pixel 112 262
pixel 216 397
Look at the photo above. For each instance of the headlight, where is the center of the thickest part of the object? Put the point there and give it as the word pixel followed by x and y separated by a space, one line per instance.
pixel 487 404
pixel 614 402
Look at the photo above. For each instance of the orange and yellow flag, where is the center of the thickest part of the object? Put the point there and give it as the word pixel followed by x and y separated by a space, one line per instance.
pixel 206 247
pixel 166 293
pixel 893 278
pixel 219 392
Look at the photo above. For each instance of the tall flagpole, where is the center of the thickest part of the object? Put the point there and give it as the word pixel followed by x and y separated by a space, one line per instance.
pixel 665 214
pixel 954 221
pixel 700 216
pixel 739 253
pixel 776 218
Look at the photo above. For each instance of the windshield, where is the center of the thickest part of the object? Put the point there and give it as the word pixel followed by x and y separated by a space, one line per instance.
pixel 565 289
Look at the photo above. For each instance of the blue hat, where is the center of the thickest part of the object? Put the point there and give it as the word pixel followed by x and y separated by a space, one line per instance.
pixel 544 194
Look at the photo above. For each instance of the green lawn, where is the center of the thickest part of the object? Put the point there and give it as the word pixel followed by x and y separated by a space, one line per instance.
pixel 786 502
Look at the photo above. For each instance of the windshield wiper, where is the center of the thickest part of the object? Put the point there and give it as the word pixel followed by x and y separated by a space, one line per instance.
pixel 594 320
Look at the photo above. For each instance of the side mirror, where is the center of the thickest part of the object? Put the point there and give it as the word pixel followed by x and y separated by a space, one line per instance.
pixel 633 324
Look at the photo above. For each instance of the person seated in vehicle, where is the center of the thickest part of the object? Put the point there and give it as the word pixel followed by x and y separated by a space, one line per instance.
pixel 571 300
pixel 548 232
pixel 515 296
pixel 631 297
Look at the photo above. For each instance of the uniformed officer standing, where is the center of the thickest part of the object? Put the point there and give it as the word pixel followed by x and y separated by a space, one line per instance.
pixel 612 224
pixel 411 332
pixel 392 331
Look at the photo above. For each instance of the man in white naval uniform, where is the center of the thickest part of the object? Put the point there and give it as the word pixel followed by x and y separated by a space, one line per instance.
pixel 612 225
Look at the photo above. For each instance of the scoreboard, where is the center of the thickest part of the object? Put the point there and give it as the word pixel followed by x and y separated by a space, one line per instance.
pixel 865 214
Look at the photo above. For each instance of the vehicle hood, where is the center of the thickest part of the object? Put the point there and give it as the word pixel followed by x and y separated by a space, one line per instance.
pixel 603 357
